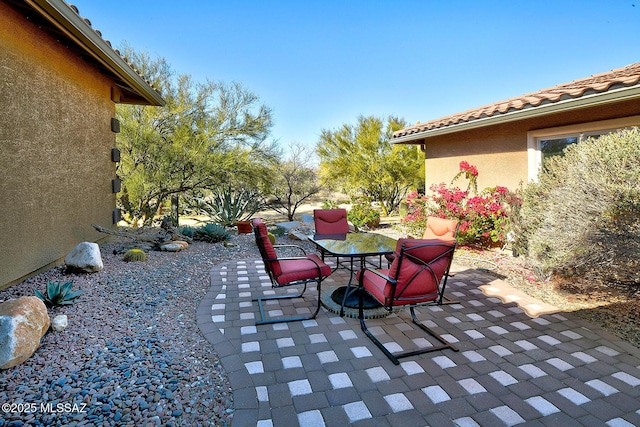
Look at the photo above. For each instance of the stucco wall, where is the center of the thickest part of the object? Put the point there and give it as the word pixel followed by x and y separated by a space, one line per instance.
pixel 55 140
pixel 500 151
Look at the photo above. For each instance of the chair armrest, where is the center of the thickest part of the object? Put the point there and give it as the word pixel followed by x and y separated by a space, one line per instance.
pixel 377 273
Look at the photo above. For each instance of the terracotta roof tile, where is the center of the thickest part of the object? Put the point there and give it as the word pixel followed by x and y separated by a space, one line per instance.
pixel 88 22
pixel 597 83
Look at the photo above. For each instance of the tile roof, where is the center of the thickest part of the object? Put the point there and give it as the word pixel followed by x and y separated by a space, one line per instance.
pixel 63 21
pixel 129 63
pixel 598 83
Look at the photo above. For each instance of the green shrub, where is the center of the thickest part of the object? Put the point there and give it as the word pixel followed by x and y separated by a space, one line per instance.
pixel 134 255
pixel 329 204
pixel 582 218
pixel 363 214
pixel 187 231
pixel 279 231
pixel 211 233
pixel 58 294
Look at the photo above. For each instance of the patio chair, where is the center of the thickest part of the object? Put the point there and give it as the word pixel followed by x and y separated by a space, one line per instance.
pixel 287 271
pixel 417 277
pixel 330 221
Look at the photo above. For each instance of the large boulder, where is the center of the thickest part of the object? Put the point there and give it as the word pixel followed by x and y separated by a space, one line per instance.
pixel 23 322
pixel 85 257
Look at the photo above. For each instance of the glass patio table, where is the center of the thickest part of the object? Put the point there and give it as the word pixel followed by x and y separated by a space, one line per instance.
pixel 354 247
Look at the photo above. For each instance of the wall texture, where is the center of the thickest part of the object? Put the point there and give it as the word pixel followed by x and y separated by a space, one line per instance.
pixel 55 140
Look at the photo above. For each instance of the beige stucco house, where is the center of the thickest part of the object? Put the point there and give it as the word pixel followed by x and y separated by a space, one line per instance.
pixel 508 140
pixel 59 84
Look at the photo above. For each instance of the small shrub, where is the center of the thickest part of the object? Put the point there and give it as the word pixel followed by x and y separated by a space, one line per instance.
pixel 279 231
pixel 330 204
pixel 187 231
pixel 58 294
pixel 582 217
pixel 134 255
pixel 211 233
pixel 363 214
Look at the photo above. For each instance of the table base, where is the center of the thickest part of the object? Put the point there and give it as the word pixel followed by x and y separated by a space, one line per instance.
pixel 331 299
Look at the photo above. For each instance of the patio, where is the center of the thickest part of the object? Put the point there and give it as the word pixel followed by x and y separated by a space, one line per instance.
pixel 512 369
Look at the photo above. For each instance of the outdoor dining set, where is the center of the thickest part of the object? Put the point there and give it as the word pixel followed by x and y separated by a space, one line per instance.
pixel 388 274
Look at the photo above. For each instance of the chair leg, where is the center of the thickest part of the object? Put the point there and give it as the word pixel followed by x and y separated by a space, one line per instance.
pixel 265 321
pixel 395 356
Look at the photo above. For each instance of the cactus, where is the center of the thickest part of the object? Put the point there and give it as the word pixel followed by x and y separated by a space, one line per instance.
pixel 134 255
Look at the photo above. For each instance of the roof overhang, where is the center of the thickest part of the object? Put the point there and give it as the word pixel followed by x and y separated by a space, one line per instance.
pixel 598 99
pixel 134 87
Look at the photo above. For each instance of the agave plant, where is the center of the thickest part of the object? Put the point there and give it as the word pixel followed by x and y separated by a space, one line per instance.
pixel 227 206
pixel 58 294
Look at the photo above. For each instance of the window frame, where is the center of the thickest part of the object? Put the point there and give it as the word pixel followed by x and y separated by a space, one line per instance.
pixel 534 153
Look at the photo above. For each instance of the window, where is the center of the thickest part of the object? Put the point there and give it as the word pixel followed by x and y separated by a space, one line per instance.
pixel 551 146
pixel 545 143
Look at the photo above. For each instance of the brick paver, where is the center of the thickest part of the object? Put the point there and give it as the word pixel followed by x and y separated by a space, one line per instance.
pixel 512 369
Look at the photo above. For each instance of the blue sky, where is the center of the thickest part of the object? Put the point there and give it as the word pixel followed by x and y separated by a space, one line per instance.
pixel 321 64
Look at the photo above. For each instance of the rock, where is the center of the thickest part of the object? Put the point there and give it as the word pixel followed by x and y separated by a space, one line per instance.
pixel 23 322
pixel 59 323
pixel 171 247
pixel 184 244
pixel 301 232
pixel 85 257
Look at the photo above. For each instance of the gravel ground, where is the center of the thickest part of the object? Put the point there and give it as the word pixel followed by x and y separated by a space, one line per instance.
pixel 132 353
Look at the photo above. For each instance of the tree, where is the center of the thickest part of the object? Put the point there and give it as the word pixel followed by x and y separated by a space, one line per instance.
pixel 361 159
pixel 206 134
pixel 294 181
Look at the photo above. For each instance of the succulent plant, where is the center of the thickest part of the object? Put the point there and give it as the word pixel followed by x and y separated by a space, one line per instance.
pixel 58 294
pixel 211 233
pixel 134 255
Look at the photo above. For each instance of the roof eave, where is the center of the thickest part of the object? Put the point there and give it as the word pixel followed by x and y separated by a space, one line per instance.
pixel 616 95
pixel 71 24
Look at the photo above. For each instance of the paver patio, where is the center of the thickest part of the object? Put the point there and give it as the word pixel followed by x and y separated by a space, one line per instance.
pixel 512 369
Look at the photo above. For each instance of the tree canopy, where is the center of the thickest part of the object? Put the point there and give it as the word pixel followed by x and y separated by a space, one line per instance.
pixel 207 134
pixel 360 159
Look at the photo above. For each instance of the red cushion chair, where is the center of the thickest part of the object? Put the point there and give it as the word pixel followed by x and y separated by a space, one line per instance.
pixel 287 271
pixel 417 276
pixel 331 221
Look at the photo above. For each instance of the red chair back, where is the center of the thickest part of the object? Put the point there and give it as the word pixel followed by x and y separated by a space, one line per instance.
pixel 331 221
pixel 267 251
pixel 419 270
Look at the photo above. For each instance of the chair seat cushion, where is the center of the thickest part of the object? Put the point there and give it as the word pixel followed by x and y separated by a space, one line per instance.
pixel 301 269
pixel 382 290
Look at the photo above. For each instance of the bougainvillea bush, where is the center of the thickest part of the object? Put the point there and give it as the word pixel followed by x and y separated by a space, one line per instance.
pixel 483 216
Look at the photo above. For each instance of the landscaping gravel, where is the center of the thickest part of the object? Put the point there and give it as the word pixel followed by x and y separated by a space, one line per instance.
pixel 132 353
